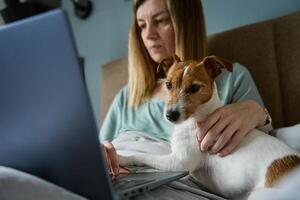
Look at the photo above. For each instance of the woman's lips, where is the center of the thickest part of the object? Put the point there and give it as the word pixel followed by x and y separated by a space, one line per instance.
pixel 155 48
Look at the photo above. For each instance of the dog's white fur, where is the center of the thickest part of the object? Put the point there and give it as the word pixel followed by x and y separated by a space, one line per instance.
pixel 240 172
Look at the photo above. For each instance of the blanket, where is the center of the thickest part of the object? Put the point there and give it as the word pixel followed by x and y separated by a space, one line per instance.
pixel 130 142
pixel 18 185
pixel 290 135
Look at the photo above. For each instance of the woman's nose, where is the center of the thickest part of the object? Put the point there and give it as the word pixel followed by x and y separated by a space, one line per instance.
pixel 151 32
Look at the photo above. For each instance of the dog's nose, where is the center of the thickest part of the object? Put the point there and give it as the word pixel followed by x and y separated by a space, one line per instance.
pixel 172 115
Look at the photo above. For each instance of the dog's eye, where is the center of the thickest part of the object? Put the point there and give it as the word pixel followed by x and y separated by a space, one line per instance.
pixel 193 89
pixel 169 85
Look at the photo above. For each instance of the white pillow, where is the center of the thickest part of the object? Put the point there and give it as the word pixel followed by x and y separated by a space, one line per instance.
pixel 289 135
pixel 18 185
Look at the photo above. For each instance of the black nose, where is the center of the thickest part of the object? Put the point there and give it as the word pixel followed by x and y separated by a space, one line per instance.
pixel 172 115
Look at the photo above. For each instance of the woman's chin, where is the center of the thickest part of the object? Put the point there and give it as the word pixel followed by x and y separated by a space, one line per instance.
pixel 158 57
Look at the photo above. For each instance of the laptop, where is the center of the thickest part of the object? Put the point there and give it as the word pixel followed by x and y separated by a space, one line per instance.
pixel 47 126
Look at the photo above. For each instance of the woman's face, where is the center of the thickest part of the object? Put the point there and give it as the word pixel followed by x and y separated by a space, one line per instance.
pixel 156 29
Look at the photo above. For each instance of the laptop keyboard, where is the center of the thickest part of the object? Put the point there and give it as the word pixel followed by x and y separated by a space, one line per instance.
pixel 125 183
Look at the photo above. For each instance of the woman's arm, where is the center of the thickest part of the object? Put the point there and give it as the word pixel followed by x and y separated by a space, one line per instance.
pixel 225 128
pixel 113 120
pixel 109 129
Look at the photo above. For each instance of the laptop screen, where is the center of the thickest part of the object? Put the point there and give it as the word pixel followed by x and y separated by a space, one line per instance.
pixel 47 127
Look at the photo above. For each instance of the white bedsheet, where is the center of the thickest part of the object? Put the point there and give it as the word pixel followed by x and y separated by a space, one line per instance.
pixel 130 142
pixel 17 185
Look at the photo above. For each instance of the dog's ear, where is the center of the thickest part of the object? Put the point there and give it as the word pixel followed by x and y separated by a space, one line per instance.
pixel 214 64
pixel 165 64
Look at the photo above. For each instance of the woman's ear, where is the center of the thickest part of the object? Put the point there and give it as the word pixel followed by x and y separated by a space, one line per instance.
pixel 166 63
pixel 214 64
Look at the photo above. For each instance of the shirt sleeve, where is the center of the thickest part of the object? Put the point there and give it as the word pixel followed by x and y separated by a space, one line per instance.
pixel 112 122
pixel 244 87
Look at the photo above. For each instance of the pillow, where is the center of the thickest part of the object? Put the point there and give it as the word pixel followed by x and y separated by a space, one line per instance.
pixel 289 135
pixel 18 185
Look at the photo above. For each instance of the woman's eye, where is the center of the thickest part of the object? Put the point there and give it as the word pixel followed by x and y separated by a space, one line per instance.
pixel 142 26
pixel 169 85
pixel 161 21
pixel 193 89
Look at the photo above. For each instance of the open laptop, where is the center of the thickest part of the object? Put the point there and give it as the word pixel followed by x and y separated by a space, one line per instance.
pixel 47 127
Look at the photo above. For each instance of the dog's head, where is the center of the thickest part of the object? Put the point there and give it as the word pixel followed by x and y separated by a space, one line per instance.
pixel 189 84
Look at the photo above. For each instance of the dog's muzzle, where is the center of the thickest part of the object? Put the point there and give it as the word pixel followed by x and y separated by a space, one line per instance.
pixel 172 115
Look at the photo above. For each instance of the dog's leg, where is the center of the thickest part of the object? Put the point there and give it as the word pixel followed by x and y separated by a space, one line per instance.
pixel 167 162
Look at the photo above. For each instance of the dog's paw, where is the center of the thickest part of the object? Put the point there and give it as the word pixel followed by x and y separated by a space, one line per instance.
pixel 129 161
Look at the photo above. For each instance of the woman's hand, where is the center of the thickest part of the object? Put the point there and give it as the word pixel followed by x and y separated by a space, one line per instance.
pixel 111 158
pixel 223 130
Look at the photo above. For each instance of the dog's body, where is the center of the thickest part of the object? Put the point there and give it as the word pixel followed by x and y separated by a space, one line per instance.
pixel 257 162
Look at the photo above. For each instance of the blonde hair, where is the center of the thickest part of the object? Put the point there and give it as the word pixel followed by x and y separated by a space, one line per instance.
pixel 190 43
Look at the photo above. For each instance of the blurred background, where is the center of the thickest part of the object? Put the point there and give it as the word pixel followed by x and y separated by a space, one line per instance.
pixel 101 27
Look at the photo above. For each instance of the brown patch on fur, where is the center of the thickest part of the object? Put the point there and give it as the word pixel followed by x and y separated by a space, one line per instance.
pixel 279 168
pixel 214 64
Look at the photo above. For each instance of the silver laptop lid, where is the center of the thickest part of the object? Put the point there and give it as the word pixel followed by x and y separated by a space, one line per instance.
pixel 47 126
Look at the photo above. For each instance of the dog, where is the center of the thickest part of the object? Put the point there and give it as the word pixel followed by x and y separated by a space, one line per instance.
pixel 258 162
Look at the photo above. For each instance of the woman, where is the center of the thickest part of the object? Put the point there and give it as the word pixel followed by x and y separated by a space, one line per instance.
pixel 165 27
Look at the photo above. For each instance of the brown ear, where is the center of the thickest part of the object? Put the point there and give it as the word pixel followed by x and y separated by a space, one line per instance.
pixel 166 63
pixel 214 64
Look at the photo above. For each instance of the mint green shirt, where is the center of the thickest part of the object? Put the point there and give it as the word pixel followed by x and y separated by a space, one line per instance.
pixel 148 117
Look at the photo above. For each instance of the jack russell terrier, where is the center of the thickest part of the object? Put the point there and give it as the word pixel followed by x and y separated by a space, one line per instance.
pixel 258 162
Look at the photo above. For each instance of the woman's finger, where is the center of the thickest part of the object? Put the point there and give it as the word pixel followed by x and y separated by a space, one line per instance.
pixel 224 138
pixel 233 143
pixel 107 162
pixel 205 125
pixel 213 134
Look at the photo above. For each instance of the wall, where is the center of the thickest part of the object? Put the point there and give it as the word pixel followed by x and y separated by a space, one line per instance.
pixel 234 13
pixel 2 5
pixel 103 37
